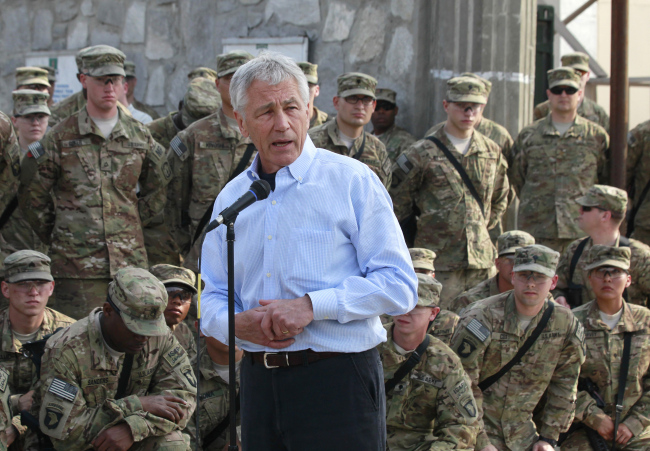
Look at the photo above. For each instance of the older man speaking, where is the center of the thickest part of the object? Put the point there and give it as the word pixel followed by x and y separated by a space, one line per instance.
pixel 316 264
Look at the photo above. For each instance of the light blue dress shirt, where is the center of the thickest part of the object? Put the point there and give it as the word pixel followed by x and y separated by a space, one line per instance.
pixel 327 230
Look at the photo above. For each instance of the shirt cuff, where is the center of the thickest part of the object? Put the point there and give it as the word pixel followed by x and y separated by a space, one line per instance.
pixel 139 427
pixel 594 420
pixel 325 304
pixel 634 425
pixel 549 432
pixel 129 405
pixel 482 440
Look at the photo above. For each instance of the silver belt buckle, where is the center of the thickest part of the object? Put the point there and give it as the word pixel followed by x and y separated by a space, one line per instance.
pixel 266 364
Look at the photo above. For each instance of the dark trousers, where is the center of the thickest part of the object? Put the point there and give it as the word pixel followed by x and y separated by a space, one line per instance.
pixel 332 404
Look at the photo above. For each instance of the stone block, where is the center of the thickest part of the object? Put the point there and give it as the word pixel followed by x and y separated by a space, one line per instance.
pixel 400 53
pixel 338 23
pixel 77 35
pixel 178 85
pixel 158 44
pixel 110 12
pixel 134 23
pixel 65 9
pixel 368 39
pixel 254 18
pixel 87 8
pixel 60 30
pixel 402 8
pixel 225 6
pixel 156 87
pixel 297 12
pixel 16 30
pixel 249 2
pixel 42 32
pixel 101 34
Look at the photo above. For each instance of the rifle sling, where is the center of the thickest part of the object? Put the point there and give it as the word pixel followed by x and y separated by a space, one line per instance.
pixel 219 428
pixel 124 376
pixel 407 366
pixel 622 380
pixel 486 383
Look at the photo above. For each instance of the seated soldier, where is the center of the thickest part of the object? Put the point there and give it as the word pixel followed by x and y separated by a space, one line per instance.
pixel 432 406
pixel 507 244
pixel 118 379
pixel 607 320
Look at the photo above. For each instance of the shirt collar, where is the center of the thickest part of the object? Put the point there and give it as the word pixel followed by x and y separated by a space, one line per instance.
pixel 298 169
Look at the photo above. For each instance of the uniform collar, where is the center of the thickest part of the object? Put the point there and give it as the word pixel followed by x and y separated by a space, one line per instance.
pixel 10 343
pixel 511 323
pixel 87 126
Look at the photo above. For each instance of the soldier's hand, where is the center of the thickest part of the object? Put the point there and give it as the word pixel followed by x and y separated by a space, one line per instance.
pixel 562 301
pixel 606 428
pixel 116 438
pixel 25 401
pixel 11 433
pixel 543 446
pixel 623 435
pixel 286 318
pixel 490 448
pixel 164 406
pixel 248 327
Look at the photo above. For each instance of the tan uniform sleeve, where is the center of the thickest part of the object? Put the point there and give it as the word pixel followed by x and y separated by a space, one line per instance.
pixel 406 179
pixel 499 199
pixel 154 178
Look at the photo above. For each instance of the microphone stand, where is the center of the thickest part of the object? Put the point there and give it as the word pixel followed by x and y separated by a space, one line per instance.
pixel 230 238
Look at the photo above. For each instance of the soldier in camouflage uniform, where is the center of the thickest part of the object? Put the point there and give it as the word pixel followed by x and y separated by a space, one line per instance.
pixel 587 108
pixel 33 78
pixel 354 102
pixel 451 221
pixel 82 199
pixel 602 210
pixel 556 160
pixel 7 431
pixel 432 407
pixel 77 402
pixel 638 180
pixel 132 81
pixel 203 72
pixel 489 335
pixel 316 116
pixel 507 244
pixel 51 78
pixel 606 320
pixel 395 138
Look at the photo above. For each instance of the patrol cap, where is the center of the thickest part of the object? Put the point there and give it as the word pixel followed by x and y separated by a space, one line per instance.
pixel 101 60
pixel 51 73
pixel 201 100
pixel 428 291
pixel 77 59
pixel 28 101
pixel 466 89
pixel 577 60
pixel 422 258
pixel 141 299
pixel 509 242
pixel 169 274
pixel 599 255
pixel 485 81
pixel 536 258
pixel 605 197
pixel 310 70
pixel 563 76
pixel 31 76
pixel 204 72
pixel 228 63
pixel 353 83
pixel 387 95
pixel 27 265
pixel 129 69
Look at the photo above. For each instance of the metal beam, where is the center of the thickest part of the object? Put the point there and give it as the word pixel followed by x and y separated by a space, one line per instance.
pixel 568 19
pixel 563 31
pixel 619 89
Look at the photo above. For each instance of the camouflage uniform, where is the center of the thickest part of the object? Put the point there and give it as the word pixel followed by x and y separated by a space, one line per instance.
pixel 638 176
pixel 397 140
pixel 5 408
pixel 66 108
pixel 204 72
pixel 164 129
pixel 76 396
pixel 444 326
pixel 587 109
pixel 310 70
pixel 318 118
pixel 10 157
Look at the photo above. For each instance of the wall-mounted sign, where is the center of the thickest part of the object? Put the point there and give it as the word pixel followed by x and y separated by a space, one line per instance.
pixel 66 70
pixel 293 47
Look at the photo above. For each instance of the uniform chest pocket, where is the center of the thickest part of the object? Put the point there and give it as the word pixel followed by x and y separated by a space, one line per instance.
pixel 215 406
pixel 442 180
pixel 79 164
pixel 124 160
pixel 97 389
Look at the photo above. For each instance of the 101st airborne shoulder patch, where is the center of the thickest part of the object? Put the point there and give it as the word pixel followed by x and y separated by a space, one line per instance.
pixel 187 372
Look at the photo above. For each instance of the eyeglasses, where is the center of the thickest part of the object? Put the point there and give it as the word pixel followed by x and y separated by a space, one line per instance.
pixel 114 79
pixel 353 100
pixel 465 106
pixel 524 276
pixel 34 118
pixel 558 90
pixel 26 286
pixel 386 106
pixel 184 296
pixel 613 273
pixel 588 209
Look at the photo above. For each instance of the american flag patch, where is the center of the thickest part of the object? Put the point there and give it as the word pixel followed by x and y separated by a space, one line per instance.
pixel 63 390
pixel 178 146
pixel 36 149
pixel 478 329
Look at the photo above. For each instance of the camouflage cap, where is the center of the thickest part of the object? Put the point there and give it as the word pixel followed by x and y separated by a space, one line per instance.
pixel 509 242
pixel 141 299
pixel 422 258
pixel 31 76
pixel 310 70
pixel 129 69
pixel 51 73
pixel 577 60
pixel 28 101
pixel 599 255
pixel 606 197
pixel 536 258
pixel 101 60
pixel 387 95
pixel 201 100
pixel 466 89
pixel 563 76
pixel 485 81
pixel 169 274
pixel 203 72
pixel 77 59
pixel 428 291
pixel 228 63
pixel 353 83
pixel 27 265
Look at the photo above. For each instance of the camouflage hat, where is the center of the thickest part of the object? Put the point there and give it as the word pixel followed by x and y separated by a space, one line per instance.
pixel 28 101
pixel 509 242
pixel 101 60
pixel 27 265
pixel 577 60
pixel 536 258
pixel 228 63
pixel 310 70
pixel 485 81
pixel 129 69
pixel 599 255
pixel 31 76
pixel 606 197
pixel 169 274
pixel 387 95
pixel 563 76
pixel 353 83
pixel 141 300
pixel 203 72
pixel 78 60
pixel 422 258
pixel 201 100
pixel 428 291
pixel 51 73
pixel 466 89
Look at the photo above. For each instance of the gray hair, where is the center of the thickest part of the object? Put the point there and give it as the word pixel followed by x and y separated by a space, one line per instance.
pixel 270 67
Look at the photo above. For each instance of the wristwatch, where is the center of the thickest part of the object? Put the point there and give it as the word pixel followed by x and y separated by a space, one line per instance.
pixel 550 441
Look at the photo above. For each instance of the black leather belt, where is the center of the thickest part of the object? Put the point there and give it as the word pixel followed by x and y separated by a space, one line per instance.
pixel 287 359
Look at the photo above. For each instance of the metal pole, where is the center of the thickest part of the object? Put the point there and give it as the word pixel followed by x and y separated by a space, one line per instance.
pixel 578 11
pixel 230 238
pixel 619 93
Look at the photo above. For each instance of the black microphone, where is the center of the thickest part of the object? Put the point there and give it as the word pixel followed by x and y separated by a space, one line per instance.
pixel 259 190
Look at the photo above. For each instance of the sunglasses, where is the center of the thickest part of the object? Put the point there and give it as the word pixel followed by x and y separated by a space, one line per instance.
pixel 386 106
pixel 558 90
pixel 588 209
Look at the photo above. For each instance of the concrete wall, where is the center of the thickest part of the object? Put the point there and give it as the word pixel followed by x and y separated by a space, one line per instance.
pixel 412 46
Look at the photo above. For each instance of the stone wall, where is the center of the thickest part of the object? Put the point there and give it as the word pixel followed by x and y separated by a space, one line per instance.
pixel 411 46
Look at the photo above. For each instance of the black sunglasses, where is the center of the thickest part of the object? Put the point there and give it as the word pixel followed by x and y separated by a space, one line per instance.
pixel 588 209
pixel 558 90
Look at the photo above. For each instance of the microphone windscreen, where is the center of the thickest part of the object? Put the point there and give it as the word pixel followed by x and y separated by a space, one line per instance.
pixel 261 189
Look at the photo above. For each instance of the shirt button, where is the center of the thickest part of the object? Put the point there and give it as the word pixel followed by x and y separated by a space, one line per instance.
pixel 268 274
pixel 327 317
pixel 300 179
pixel 269 237
pixel 273 202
